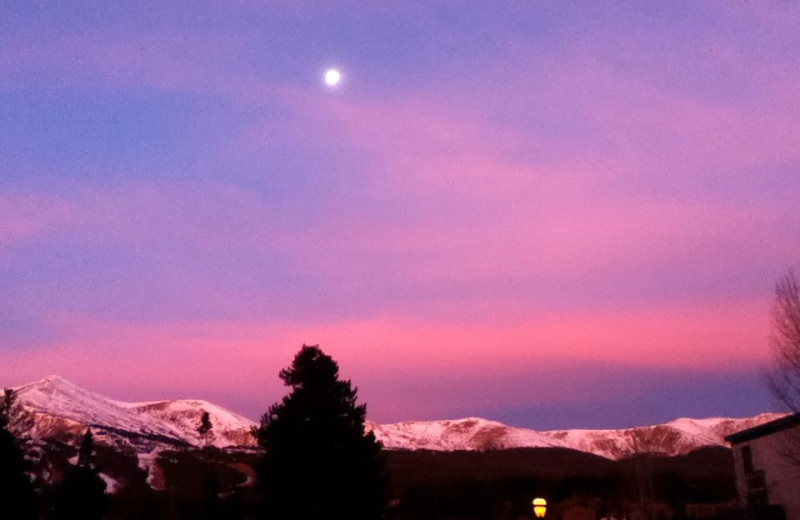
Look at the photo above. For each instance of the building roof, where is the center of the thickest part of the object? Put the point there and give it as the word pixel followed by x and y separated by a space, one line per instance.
pixel 761 430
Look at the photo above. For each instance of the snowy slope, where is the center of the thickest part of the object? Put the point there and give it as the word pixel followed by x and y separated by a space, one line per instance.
pixel 674 438
pixel 460 434
pixel 62 411
pixel 229 429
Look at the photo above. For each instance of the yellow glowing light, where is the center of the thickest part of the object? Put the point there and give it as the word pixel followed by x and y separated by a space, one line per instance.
pixel 539 507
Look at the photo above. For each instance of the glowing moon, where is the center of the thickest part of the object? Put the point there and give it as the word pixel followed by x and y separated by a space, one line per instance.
pixel 332 77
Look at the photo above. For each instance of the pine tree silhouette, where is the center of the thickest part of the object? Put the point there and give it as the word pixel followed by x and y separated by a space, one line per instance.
pixel 82 492
pixel 17 496
pixel 318 462
pixel 205 427
pixel 86 450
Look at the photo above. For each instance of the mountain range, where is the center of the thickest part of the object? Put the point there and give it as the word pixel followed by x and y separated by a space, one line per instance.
pixel 61 411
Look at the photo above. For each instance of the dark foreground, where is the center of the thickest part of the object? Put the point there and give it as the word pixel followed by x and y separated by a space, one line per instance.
pixel 211 483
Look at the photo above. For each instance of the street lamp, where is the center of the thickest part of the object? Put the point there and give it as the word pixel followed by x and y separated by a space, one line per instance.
pixel 539 507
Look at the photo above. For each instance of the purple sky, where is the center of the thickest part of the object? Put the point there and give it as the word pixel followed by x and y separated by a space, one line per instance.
pixel 554 214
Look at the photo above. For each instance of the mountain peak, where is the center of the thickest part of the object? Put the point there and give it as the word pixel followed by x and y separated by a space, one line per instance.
pixel 51 385
pixel 52 379
pixel 63 407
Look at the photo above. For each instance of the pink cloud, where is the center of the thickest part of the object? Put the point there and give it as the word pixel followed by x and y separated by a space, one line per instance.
pixel 545 242
pixel 205 215
pixel 33 215
pixel 386 353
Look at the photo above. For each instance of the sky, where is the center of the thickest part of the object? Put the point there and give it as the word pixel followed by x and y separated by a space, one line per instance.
pixel 552 214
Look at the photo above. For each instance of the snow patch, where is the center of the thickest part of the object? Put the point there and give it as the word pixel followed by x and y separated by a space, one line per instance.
pixel 112 485
pixel 149 462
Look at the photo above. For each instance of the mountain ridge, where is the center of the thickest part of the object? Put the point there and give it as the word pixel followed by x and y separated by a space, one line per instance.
pixel 677 437
pixel 62 410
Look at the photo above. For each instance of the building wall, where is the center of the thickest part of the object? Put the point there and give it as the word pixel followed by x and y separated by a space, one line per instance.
pixel 773 454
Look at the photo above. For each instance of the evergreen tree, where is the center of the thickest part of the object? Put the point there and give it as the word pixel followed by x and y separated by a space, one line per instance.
pixel 82 492
pixel 17 496
pixel 318 462
pixel 205 427
pixel 86 450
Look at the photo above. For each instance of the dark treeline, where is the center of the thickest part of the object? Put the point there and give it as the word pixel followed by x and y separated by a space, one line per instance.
pixel 426 485
pixel 17 495
pixel 501 484
pixel 316 461
pixel 81 492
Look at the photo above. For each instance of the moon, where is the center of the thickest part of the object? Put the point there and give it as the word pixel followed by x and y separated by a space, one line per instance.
pixel 332 77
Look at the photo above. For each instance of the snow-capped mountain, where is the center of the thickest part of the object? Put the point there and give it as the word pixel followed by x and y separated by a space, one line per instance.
pixel 677 437
pixel 62 411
